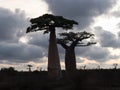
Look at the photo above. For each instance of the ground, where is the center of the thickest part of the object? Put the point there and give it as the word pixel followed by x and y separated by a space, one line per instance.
pixel 97 79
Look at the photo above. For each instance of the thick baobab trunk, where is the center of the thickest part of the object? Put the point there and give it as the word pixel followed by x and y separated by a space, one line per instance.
pixel 70 60
pixel 54 69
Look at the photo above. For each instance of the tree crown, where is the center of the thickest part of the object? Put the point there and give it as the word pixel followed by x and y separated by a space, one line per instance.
pixel 69 38
pixel 46 21
pixel 29 65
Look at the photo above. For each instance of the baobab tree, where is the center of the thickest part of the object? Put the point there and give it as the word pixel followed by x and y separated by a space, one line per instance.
pixel 69 41
pixel 29 67
pixel 49 23
pixel 115 65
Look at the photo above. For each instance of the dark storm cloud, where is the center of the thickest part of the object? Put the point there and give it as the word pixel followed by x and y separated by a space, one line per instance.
pixel 93 53
pixel 107 39
pixel 81 10
pixel 20 52
pixel 11 25
pixel 38 39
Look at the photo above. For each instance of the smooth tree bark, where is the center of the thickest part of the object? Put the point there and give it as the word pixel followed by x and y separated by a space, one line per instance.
pixel 48 23
pixel 69 41
pixel 70 59
pixel 54 68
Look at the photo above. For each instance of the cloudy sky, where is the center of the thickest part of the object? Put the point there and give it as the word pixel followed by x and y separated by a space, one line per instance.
pixel 101 17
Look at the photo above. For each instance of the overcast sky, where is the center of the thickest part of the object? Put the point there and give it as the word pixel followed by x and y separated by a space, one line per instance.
pixel 101 17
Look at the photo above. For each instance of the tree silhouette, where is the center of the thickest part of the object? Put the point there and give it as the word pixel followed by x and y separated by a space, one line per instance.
pixel 115 65
pixel 69 41
pixel 98 67
pixel 10 69
pixel 29 67
pixel 49 22
pixel 84 67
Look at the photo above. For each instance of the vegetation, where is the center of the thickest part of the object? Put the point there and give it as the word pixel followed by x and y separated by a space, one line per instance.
pixel 29 67
pixel 10 69
pixel 48 23
pixel 94 79
pixel 70 40
pixel 115 65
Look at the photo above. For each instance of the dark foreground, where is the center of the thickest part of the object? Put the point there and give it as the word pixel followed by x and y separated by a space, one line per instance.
pixel 82 80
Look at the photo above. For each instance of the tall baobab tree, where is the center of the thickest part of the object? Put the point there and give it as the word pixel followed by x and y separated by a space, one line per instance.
pixel 49 23
pixel 69 41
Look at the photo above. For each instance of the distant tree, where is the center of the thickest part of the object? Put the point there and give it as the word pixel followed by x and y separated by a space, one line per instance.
pixel 29 67
pixel 49 23
pixel 10 69
pixel 70 40
pixel 84 67
pixel 115 65
pixel 98 67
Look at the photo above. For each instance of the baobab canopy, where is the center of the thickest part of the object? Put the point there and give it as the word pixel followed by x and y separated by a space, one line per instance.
pixel 75 39
pixel 47 21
